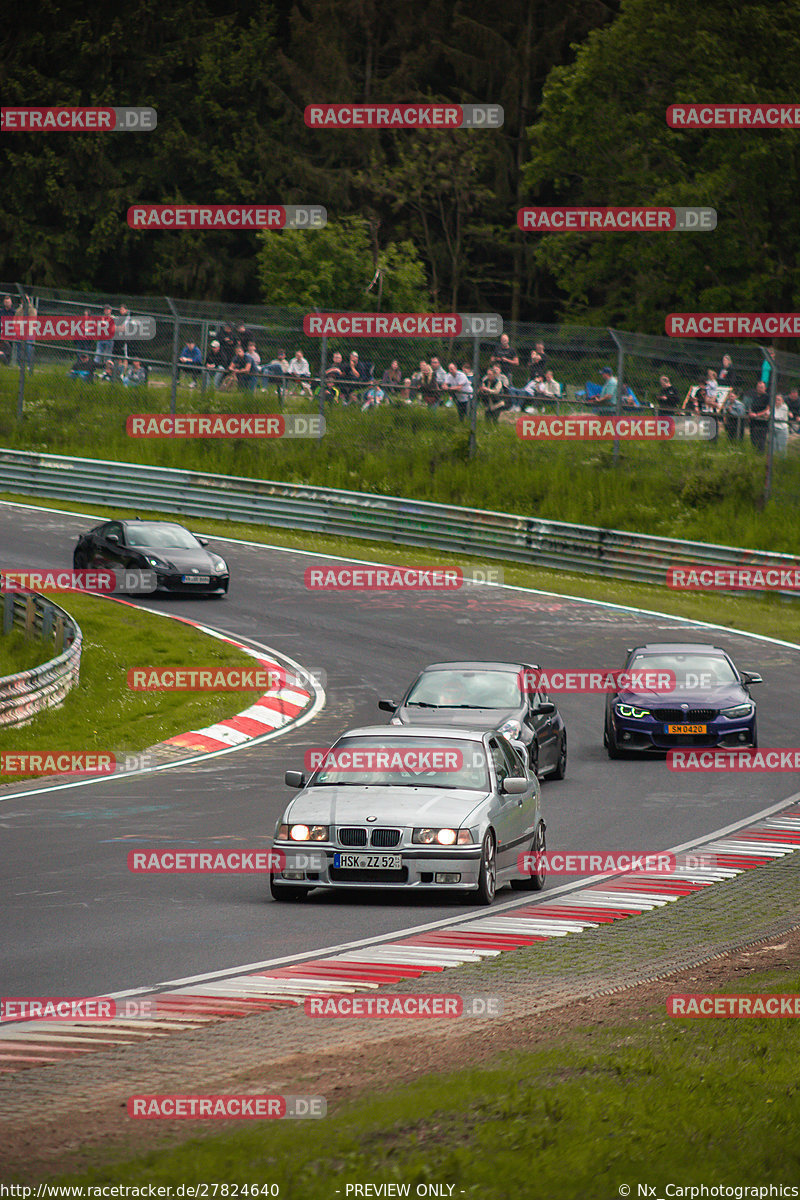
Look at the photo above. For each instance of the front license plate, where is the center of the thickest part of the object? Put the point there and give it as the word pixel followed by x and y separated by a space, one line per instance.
pixel 369 862
pixel 195 579
pixel 687 729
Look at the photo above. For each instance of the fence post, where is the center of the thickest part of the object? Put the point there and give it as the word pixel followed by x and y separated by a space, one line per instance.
pixel 204 352
pixel 620 380
pixel 173 399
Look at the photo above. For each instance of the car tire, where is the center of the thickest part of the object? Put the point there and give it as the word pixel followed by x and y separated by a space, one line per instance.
pixel 534 883
pixel 487 880
pixel 610 742
pixel 533 757
pixel 754 742
pixel 286 891
pixel 561 766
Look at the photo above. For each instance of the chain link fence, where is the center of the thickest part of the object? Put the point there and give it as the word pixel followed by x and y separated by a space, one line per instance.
pixel 408 393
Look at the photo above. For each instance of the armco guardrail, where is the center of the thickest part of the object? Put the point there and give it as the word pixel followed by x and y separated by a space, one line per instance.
pixel 28 692
pixel 510 536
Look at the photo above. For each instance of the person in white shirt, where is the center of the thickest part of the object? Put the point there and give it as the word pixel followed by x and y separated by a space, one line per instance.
pixel 781 432
pixel 459 387
pixel 301 371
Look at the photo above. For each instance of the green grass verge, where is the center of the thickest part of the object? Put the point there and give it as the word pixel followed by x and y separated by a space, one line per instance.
pixel 18 653
pixel 768 614
pixel 656 1101
pixel 700 491
pixel 102 713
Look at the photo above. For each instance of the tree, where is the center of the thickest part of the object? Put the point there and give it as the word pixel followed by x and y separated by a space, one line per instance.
pixel 603 140
pixel 331 268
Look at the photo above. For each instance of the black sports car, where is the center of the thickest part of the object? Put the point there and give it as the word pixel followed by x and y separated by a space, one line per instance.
pixel 488 696
pixel 179 558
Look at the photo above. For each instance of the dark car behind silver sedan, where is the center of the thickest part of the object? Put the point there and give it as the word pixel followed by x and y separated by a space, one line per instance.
pixel 489 695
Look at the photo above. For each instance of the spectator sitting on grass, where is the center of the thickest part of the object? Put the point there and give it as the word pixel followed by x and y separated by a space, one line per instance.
pixel 217 363
pixel 111 373
pixel 491 393
pixel 373 396
pixel 667 399
pixel 190 360
pixel 241 368
pixel 301 372
pixel 135 374
pixel 83 368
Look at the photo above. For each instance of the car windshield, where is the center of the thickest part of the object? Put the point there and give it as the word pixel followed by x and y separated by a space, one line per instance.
pixel 696 671
pixel 466 689
pixel 161 537
pixel 402 762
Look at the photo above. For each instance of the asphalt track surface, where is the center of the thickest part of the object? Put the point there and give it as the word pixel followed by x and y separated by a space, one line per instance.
pixel 74 921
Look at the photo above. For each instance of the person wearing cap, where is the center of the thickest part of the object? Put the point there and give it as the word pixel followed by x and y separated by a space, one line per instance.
pixel 608 392
pixel 217 363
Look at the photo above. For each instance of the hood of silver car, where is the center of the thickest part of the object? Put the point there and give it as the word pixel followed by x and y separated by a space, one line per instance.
pixel 395 806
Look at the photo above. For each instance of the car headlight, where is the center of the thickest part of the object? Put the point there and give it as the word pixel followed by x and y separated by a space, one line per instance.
pixel 156 562
pixel 510 728
pixel 220 566
pixel 307 833
pixel 442 837
pixel 738 710
pixel 630 710
pixel 396 721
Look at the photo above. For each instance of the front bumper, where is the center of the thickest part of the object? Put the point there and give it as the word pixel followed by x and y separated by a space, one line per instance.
pixel 649 735
pixel 419 869
pixel 174 583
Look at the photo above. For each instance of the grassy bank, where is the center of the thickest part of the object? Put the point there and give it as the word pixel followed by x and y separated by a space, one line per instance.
pixel 102 713
pixel 657 1101
pixel 703 491
pixel 18 653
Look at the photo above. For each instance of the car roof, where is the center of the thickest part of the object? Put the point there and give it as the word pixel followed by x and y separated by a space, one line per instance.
pixel 475 666
pixel 141 524
pixel 413 733
pixel 678 648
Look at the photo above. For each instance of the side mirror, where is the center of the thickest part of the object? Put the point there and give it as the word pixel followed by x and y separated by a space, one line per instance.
pixel 514 786
pixel 113 537
pixel 387 705
pixel 749 677
pixel 546 709
pixel 203 541
pixel 295 779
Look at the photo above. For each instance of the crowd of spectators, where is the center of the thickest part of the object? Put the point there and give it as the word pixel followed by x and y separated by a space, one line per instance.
pixel 233 361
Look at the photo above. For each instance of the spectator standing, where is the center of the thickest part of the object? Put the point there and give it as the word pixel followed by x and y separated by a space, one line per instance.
pixel 122 332
pixel 709 392
pixel 725 375
pixel 780 429
pixel 491 393
pixel 301 371
pixel 6 346
pixel 190 360
pixel 105 347
pixel 355 376
pixel 217 363
pixel 429 388
pixel 25 346
pixel 734 414
pixel 227 340
pixel 392 377
pixel 608 392
pixel 766 367
pixel 759 417
pixel 438 371
pixel 255 369
pixel 456 385
pixel 505 356
pixel 537 363
pixel 84 343
pixel 793 401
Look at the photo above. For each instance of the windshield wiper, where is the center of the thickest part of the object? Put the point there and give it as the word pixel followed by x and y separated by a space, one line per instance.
pixel 421 704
